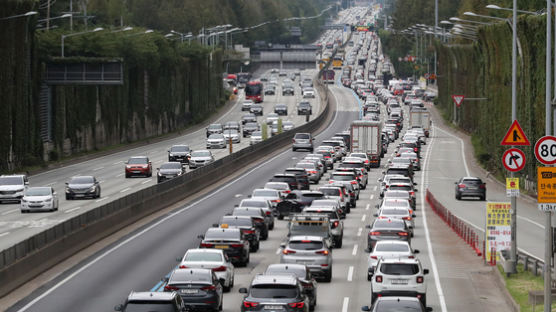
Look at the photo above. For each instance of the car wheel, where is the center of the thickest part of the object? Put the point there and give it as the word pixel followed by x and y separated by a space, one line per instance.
pixel 353 205
pixel 127 175
pixel 246 262
pixel 373 298
pixel 458 197
pixel 338 243
pixel 328 277
pixel 265 235
pixel 150 174
pixel 280 217
pixel 424 300
pixel 483 198
pixel 271 226
pixel 68 197
pixel 293 149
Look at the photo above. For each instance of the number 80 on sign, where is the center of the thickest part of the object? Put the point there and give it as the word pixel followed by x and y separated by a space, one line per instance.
pixel 545 150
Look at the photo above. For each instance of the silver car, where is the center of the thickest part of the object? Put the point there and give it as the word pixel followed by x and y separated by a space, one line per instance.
pixel 272 117
pixel 336 223
pixel 283 187
pixel 303 141
pixel 336 192
pixel 214 259
pixel 312 170
pixel 310 251
pixel 216 140
pixel 39 199
pixel 256 137
pixel 200 158
pixel 273 196
pixel 287 125
pixel 232 134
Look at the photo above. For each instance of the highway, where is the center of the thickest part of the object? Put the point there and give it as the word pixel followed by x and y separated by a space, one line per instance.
pixel 109 170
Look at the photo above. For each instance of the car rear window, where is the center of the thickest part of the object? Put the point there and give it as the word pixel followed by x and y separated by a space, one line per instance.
pixel 351 165
pixel 247 212
pixel 394 212
pixel 305 166
pixel 398 306
pixel 299 272
pixel 237 221
pixel 472 181
pixel 191 276
pixel 305 245
pixel 302 136
pixel 400 188
pixel 342 177
pixel 254 203
pixel 330 192
pixel 273 291
pixel 399 268
pixel 392 247
pixel 388 224
pixel 265 193
pixel 203 256
pixel 276 186
pixel 223 235
pixel 401 171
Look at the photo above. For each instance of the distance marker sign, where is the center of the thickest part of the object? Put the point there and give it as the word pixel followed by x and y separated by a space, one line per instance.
pixel 545 150
pixel 513 159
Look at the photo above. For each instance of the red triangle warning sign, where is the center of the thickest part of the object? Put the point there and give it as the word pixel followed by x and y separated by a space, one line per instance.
pixel 515 136
pixel 458 99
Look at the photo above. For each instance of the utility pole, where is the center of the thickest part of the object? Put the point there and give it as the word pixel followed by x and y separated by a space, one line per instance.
pixel 435 29
pixel 71 17
pixel 47 15
pixel 513 249
pixel 548 131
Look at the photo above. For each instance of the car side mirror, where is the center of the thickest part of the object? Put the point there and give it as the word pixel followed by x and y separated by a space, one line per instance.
pixel 426 271
pixel 416 251
pixel 375 214
pixel 413 215
pixel 64 183
pixel 243 290
pixel 248 196
pixel 119 307
pixel 368 226
pixel 428 309
pixel 455 182
pixel 168 151
pixel 236 206
pixel 371 270
pixel 365 308
pixel 157 169
pixel 165 279
pixel 201 236
pixel 414 183
pixel 215 225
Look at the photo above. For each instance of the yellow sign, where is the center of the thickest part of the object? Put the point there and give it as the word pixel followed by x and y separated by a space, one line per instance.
pixel 512 183
pixel 498 228
pixel 546 184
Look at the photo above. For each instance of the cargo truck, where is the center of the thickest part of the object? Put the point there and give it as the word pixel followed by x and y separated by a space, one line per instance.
pixel 420 118
pixel 366 138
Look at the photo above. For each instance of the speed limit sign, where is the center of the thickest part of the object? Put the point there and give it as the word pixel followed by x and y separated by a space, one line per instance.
pixel 545 150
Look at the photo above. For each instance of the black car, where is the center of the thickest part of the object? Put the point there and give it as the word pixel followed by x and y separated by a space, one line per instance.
pixel 281 109
pixel 179 153
pixel 288 90
pixel 275 293
pixel 303 275
pixel 258 216
pixel 248 118
pixel 82 186
pixel 387 229
pixel 256 109
pixel 232 241
pixel 247 225
pixel 214 128
pixel 198 288
pixel 302 177
pixel 304 108
pixel 249 128
pixel 296 201
pixel 169 171
pixel 399 304
pixel 470 187
pixel 289 178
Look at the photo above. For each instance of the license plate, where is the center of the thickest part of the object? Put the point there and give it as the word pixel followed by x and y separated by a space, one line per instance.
pixel 221 246
pixel 399 282
pixel 189 291
pixel 136 171
pixel 273 307
pixel 472 187
pixel 304 262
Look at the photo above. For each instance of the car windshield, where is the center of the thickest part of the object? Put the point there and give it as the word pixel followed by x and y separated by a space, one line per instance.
pixel 342 177
pixel 200 154
pixel 254 203
pixel 149 306
pixel 203 256
pixel 399 268
pixel 11 181
pixel 81 180
pixel 222 235
pixel 305 245
pixel 265 193
pixel 230 131
pixel 398 306
pixel 137 160
pixel 215 126
pixel 216 136
pixel 273 291
pixel 171 165
pixel 391 247
pixel 37 191
pixel 179 149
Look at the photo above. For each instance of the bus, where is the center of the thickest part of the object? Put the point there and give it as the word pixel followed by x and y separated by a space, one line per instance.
pixel 338 61
pixel 328 76
pixel 254 91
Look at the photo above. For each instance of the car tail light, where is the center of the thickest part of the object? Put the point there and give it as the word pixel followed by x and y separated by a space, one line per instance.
pixel 407 218
pixel 353 182
pixel 352 194
pixel 183 266
pixel 258 220
pixel 415 149
pixel 324 265
pixel 411 257
pixel 209 288
pixel 268 213
pixel 288 251
pixel 326 156
pixel 412 193
pixel 374 257
pixel 387 186
pixel 483 186
pixel 298 305
pixel 322 252
pixel 420 279
pixel 236 245
pixel 287 191
pixel 461 185
pixel 221 268
pixel 170 288
pixel 307 285
pixel 207 245
pixel 249 232
pixel 335 224
pixel 376 233
pixel 402 233
pixel 366 161
pixel 249 304
pixel 378 278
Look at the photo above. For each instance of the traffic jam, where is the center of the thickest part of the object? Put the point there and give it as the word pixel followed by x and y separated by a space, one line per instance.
pixel 312 199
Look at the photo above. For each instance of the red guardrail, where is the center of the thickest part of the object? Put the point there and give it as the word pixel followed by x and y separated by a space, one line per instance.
pixel 460 227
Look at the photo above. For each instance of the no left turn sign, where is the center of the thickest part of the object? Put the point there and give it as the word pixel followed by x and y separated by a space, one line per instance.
pixel 545 150
pixel 514 160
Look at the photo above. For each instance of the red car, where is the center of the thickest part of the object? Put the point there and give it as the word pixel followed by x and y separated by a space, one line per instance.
pixel 138 165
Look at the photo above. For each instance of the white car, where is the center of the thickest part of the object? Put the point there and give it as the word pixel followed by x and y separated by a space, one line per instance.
pixel 214 259
pixel 256 137
pixel 12 187
pixel 39 199
pixel 272 117
pixel 232 134
pixel 246 105
pixel 272 195
pixel 283 187
pixel 399 277
pixel 216 140
pixel 200 158
pixel 389 249
pixel 308 93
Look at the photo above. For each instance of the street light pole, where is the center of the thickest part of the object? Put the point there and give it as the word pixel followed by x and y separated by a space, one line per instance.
pixel 548 131
pixel 435 29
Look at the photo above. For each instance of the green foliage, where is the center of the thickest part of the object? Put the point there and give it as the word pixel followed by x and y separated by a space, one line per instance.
pixel 280 127
pixel 264 131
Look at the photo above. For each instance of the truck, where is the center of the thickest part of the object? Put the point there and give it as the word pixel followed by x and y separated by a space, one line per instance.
pixel 420 118
pixel 366 137
pixel 328 76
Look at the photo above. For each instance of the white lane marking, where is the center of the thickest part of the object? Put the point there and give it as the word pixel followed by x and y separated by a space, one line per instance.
pixel 345 304
pixel 9 211
pixel 119 175
pixel 354 252
pixel 4 234
pixel 278 250
pixel 117 163
pixel 363 218
pixel 101 181
pixel 462 149
pixel 125 190
pixel 145 182
pixel 372 196
pixel 238 195
pixel 374 188
pixel 51 183
pixel 368 206
pixel 72 209
pixel 350 274
pixel 152 226
pixel 359 231
pixel 531 221
pixel 427 234
pixel 97 169
pixel 101 199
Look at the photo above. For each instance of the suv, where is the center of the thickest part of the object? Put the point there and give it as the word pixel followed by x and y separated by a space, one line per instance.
pixel 279 292
pixel 179 153
pixel 156 301
pixel 311 224
pixel 304 108
pixel 470 186
pixel 12 187
pixel 399 277
pixel 311 251
pixel 303 141
pixel 303 275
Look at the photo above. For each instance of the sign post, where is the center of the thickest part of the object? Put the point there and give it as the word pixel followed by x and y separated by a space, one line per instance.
pixel 512 187
pixel 458 99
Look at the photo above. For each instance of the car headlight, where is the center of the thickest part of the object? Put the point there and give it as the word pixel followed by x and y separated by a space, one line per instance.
pixel 67 190
pixel 48 200
pixel 171 155
pixel 23 200
pixel 93 188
